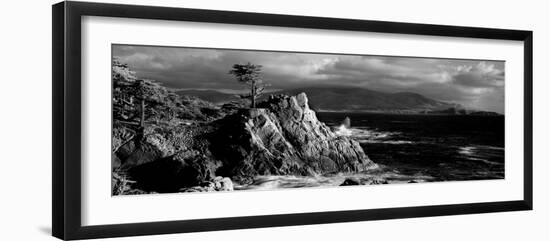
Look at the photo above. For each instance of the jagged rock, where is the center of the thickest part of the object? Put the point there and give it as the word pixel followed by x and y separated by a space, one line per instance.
pixel 223 184
pixel 346 123
pixel 351 182
pixel 156 142
pixel 218 184
pixel 377 181
pixel 313 140
pixel 281 137
pixel 166 158
pixel 172 173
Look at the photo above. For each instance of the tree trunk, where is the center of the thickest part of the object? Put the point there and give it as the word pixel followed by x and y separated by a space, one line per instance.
pixel 142 119
pixel 253 95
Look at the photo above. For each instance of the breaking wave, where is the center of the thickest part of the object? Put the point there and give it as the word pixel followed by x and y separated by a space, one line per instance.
pixel 390 176
pixel 366 135
pixel 481 153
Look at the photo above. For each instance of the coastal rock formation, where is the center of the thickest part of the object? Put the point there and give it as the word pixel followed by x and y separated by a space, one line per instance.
pixel 351 182
pixel 166 157
pixel 346 123
pixel 217 184
pixel 281 137
pixel 284 137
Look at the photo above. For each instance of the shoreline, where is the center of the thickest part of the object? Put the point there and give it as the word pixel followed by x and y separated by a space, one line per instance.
pixel 404 112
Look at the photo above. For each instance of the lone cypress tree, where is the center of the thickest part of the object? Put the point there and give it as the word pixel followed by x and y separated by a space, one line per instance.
pixel 249 74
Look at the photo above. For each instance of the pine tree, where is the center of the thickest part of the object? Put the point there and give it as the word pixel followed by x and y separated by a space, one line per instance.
pixel 250 74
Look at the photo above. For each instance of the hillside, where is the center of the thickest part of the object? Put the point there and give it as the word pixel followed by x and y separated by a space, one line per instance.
pixel 358 99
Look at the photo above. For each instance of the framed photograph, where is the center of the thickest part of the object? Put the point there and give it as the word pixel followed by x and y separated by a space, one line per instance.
pixel 169 120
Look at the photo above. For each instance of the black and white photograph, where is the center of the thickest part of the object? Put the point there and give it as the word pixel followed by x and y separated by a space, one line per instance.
pixel 202 120
pixel 275 120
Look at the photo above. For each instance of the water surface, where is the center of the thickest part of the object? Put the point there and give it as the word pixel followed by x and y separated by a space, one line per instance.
pixel 412 149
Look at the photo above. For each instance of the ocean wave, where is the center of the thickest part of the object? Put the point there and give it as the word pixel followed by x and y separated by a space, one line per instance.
pixel 480 153
pixel 389 176
pixel 466 150
pixel 343 131
pixel 386 142
pixel 366 135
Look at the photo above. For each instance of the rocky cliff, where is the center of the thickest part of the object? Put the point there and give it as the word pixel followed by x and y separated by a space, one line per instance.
pixel 281 137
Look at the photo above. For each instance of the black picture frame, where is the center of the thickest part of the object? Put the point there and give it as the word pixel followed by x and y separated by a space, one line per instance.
pixel 67 137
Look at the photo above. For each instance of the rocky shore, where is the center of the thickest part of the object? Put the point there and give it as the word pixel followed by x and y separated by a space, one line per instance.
pixel 201 147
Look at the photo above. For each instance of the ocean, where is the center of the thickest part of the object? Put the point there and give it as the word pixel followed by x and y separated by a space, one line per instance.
pixel 435 147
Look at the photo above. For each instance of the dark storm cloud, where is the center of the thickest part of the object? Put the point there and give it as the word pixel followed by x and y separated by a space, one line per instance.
pixel 476 84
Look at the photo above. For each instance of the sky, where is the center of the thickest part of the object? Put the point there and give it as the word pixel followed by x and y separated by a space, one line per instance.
pixel 475 84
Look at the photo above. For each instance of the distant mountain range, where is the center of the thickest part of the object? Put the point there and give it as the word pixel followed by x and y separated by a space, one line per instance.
pixel 346 99
pixel 358 99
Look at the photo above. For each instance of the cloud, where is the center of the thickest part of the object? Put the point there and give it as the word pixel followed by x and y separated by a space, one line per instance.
pixel 481 75
pixel 476 84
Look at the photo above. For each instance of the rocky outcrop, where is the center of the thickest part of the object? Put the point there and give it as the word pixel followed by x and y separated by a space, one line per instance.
pixel 353 181
pixel 281 137
pixel 346 122
pixel 165 157
pixel 217 184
